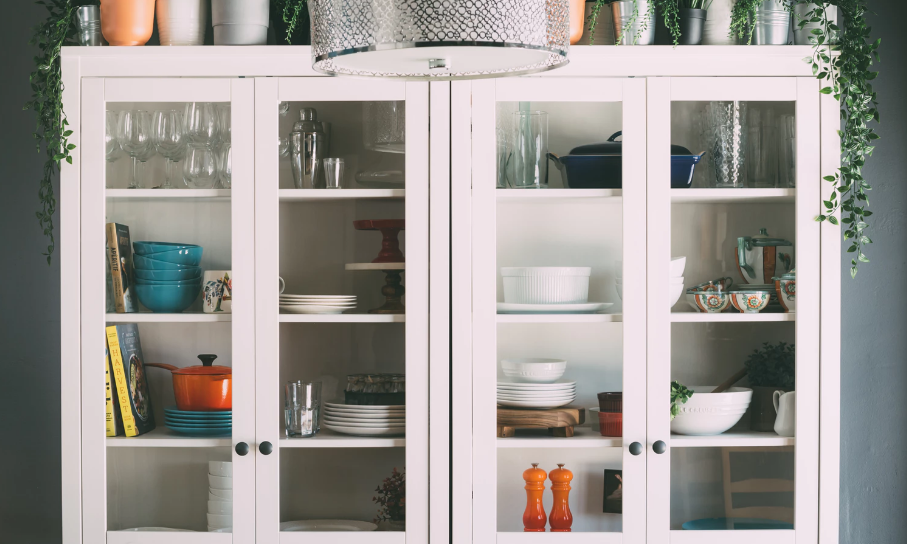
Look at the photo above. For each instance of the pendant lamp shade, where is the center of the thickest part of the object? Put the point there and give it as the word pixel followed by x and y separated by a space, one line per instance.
pixel 438 39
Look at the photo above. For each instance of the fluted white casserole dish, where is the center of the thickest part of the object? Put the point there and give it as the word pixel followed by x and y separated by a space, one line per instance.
pixel 546 284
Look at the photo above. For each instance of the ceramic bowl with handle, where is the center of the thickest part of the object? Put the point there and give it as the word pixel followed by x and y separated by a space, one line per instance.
pixel 750 301
pixel 706 413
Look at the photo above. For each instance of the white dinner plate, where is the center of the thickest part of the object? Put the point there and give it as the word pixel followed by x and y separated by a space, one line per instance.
pixel 286 295
pixel 365 407
pixel 305 309
pixel 317 301
pixel 585 308
pixel 327 525
pixel 540 399
pixel 372 422
pixel 569 393
pixel 366 415
pixel 523 385
pixel 366 431
pixel 569 387
pixel 533 404
pixel 359 424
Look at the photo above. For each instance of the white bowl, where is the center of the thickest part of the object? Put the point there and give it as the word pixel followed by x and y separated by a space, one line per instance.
pixel 677 266
pixel 221 494
pixel 215 498
pixel 220 482
pixel 220 507
pixel 534 376
pixel 533 363
pixel 706 414
pixel 675 290
pixel 220 468
pixel 546 284
pixel 217 521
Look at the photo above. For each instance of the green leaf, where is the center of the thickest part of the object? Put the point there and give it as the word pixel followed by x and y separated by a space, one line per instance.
pixel 829 178
pixel 820 218
pixel 825 90
pixel 861 225
pixel 863 258
pixel 833 220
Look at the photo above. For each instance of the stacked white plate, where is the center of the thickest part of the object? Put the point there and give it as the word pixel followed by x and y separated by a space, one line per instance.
pixel 220 496
pixel 365 420
pixel 536 395
pixel 317 304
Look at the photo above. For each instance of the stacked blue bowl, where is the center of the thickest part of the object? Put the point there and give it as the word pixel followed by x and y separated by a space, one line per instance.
pixel 168 277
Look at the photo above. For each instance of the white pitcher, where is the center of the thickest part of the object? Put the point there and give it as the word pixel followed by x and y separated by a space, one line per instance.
pixel 786 408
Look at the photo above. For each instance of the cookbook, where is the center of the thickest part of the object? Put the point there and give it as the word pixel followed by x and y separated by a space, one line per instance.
pixel 114 422
pixel 119 259
pixel 132 391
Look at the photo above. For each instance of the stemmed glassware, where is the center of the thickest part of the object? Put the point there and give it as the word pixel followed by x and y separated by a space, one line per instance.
pixel 225 151
pixel 225 165
pixel 112 151
pixel 167 136
pixel 134 136
pixel 199 168
pixel 201 123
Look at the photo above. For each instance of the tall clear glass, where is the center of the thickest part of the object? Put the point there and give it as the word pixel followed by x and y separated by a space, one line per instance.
pixel 301 408
pixel 762 149
pixel 529 159
pixel 787 152
pixel 725 136
pixel 167 135
pixel 134 135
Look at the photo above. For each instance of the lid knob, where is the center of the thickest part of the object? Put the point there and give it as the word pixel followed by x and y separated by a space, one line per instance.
pixel 207 358
pixel 308 114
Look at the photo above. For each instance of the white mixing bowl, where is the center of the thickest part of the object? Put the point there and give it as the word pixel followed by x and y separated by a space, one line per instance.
pixel 706 414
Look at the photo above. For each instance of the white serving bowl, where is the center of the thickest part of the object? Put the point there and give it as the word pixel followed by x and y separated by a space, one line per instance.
pixel 675 290
pixel 526 371
pixel 221 494
pixel 217 521
pixel 220 507
pixel 220 468
pixel 546 284
pixel 220 482
pixel 533 363
pixel 706 414
pixel 677 266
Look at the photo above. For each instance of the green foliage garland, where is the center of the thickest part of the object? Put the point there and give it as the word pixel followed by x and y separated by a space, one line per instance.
pixel 47 102
pixel 292 12
pixel 680 394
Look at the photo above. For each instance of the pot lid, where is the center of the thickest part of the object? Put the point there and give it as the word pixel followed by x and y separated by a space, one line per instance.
pixel 612 147
pixel 206 368
pixel 764 240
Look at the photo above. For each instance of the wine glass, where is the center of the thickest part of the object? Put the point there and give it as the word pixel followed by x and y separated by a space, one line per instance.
pixel 224 122
pixel 134 136
pixel 167 135
pixel 225 165
pixel 199 168
pixel 112 146
pixel 200 123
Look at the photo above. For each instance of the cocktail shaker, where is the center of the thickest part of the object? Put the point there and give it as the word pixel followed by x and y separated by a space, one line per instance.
pixel 308 145
pixel 88 23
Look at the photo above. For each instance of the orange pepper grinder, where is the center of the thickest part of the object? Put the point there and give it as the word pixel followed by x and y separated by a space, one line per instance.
pixel 560 518
pixel 534 517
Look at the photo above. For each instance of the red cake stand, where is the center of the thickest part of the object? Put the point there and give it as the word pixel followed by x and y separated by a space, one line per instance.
pixel 389 260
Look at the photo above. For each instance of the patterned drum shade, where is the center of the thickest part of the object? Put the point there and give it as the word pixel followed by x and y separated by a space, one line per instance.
pixel 438 39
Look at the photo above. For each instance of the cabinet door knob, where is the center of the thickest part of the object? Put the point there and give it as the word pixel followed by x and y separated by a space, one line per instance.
pixel 265 448
pixel 635 448
pixel 242 448
pixel 659 447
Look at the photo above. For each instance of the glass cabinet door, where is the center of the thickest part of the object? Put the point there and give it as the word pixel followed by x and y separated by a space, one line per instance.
pixel 729 240
pixel 558 303
pixel 342 310
pixel 167 222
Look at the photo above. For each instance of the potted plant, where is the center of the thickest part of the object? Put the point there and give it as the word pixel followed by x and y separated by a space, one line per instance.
pixel 391 496
pixel 127 22
pixel 240 22
pixel 769 369
pixel 693 14
pixel 634 20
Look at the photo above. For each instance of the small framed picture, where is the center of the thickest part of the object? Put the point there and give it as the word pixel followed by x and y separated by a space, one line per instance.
pixel 613 495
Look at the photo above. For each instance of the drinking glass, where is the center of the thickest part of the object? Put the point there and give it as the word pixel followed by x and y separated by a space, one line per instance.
pixel 224 122
pixel 333 173
pixel 199 168
pixel 529 159
pixel 725 136
pixel 200 123
pixel 112 146
pixel 167 135
pixel 134 136
pixel 761 149
pixel 225 165
pixel 787 154
pixel 302 408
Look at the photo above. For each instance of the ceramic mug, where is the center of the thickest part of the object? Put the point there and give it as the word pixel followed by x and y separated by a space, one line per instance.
pixel 786 408
pixel 218 295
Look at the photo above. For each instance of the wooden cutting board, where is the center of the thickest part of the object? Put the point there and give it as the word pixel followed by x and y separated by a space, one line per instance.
pixel 558 421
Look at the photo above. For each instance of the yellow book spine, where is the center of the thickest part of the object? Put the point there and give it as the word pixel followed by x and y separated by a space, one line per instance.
pixel 111 420
pixel 119 376
pixel 113 258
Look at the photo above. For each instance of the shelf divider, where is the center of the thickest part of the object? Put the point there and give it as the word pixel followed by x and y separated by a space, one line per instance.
pixel 162 437
pixel 329 439
pixel 731 439
pixel 509 195
pixel 584 437
pixel 560 318
pixel 342 318
pixel 731 317
pixel 321 195
pixel 149 317
pixel 733 196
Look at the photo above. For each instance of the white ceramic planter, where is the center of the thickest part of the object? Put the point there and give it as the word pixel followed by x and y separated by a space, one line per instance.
pixel 240 22
pixel 182 22
pixel 546 285
pixel 706 414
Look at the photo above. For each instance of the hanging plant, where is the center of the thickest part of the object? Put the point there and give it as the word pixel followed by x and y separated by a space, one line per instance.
pixel 294 14
pixel 842 60
pixel 670 13
pixel 51 131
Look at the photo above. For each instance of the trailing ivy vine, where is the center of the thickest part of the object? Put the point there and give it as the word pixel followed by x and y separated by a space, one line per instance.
pixel 51 130
pixel 293 14
pixel 842 60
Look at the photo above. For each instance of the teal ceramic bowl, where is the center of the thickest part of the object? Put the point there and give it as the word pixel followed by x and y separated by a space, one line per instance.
pixel 193 281
pixel 189 273
pixel 188 256
pixel 167 298
pixel 146 248
pixel 147 263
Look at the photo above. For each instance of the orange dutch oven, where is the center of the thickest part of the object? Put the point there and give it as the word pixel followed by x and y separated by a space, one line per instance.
pixel 201 388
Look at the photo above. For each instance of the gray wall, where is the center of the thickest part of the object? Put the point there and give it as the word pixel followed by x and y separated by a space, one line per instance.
pixel 874 373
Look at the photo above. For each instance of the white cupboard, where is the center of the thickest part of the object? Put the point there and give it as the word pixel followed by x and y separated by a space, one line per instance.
pixel 463 482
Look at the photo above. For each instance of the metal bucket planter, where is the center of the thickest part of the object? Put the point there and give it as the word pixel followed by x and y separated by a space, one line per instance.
pixel 692 22
pixel 770 23
pixel 801 13
pixel 636 18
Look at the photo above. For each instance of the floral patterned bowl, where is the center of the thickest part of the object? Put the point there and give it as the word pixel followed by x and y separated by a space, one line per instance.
pixel 750 301
pixel 710 301
pixel 786 287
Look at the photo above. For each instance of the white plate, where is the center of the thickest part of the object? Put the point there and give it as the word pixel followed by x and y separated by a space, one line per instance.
pixel 366 422
pixel 220 507
pixel 320 305
pixel 566 393
pixel 540 399
pixel 366 431
pixel 327 525
pixel 219 482
pixel 366 415
pixel 587 308
pixel 286 295
pixel 155 530
pixel 357 424
pixel 300 309
pixel 317 301
pixel 533 404
pixel 364 407
pixel 537 386
pixel 213 497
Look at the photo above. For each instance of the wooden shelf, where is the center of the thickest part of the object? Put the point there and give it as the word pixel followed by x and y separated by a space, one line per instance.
pixel 162 437
pixel 321 195
pixel 560 318
pixel 148 317
pixel 560 538
pixel 342 318
pixel 327 438
pixel 733 196
pixel 510 195
pixel 584 437
pixel 731 317
pixel 168 194
pixel 731 439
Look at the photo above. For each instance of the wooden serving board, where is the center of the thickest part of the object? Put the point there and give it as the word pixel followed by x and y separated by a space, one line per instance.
pixel 558 421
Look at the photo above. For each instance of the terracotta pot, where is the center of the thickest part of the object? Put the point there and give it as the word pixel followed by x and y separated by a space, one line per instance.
pixel 127 22
pixel 577 15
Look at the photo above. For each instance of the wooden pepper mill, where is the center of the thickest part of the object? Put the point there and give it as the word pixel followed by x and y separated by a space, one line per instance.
pixel 534 517
pixel 560 518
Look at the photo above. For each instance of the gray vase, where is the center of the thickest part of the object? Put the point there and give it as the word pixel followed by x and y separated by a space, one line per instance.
pixel 802 34
pixel 642 29
pixel 692 21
